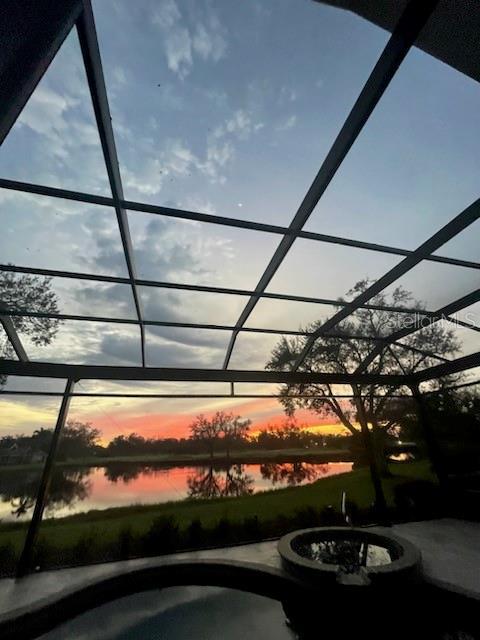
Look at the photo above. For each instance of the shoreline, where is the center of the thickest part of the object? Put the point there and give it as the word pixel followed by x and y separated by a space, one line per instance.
pixel 220 458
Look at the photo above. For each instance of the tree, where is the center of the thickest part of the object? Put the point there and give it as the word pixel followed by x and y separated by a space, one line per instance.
pixel 41 439
pixel 207 431
pixel 78 439
pixel 231 428
pixel 344 355
pixel 454 416
pixel 28 293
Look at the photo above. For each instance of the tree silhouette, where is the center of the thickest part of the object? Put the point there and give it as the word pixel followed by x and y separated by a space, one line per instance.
pixel 21 505
pixel 293 473
pixel 28 293
pixel 237 482
pixel 345 355
pixel 233 430
pixel 67 487
pixel 209 430
pixel 78 439
pixel 205 483
pixel 215 482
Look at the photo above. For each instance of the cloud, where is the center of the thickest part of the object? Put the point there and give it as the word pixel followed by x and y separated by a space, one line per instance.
pixel 209 42
pixel 55 140
pixel 20 416
pixel 45 116
pixel 100 299
pixel 206 39
pixel 164 249
pixel 218 156
pixel 287 94
pixel 177 160
pixel 119 76
pixel 162 351
pixel 289 123
pixel 240 125
pixel 178 49
pixel 166 14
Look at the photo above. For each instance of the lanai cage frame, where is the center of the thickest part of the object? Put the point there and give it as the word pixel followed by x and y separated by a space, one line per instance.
pixel 39 28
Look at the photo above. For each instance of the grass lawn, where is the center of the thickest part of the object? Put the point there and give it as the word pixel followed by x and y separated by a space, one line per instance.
pixel 107 524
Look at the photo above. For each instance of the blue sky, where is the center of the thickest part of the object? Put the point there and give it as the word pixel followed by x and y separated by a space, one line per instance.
pixel 229 108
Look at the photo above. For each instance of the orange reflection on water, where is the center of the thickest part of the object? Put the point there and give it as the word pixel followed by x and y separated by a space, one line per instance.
pixel 127 484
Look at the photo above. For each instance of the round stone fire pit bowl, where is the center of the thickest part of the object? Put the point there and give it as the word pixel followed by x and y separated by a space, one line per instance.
pixel 349 556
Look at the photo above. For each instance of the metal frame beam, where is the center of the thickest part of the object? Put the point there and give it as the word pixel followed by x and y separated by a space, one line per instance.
pixel 190 325
pixel 455 387
pixel 13 337
pixel 185 396
pixel 442 314
pixel 448 368
pixel 87 198
pixel 99 372
pixel 55 273
pixel 42 494
pixel 403 37
pixel 463 220
pixel 210 327
pixel 31 33
pixel 22 64
pixel 93 65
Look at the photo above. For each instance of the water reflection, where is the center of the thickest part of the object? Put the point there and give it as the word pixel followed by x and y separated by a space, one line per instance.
pixel 294 473
pixel 80 489
pixel 211 482
pixel 347 553
pixel 127 471
pixel 67 487
pixel 20 506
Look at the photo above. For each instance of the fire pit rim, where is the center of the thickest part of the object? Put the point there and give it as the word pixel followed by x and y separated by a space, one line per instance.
pixel 405 556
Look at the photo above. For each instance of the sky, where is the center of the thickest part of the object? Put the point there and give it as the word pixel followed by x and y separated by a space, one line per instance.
pixel 229 108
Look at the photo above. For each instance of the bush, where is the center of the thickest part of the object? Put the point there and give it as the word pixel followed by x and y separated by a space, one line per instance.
pixel 42 553
pixel 251 529
pixel 329 517
pixel 87 549
pixel 162 537
pixel 307 517
pixel 223 532
pixel 125 542
pixel 417 499
pixel 8 559
pixel 195 534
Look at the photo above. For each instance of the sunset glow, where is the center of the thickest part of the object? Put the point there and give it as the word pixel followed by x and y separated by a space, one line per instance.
pixel 152 419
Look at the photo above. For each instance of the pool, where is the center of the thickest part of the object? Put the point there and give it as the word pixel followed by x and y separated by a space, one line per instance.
pixel 182 613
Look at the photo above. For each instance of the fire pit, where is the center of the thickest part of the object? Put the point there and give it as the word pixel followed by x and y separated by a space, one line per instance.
pixel 348 556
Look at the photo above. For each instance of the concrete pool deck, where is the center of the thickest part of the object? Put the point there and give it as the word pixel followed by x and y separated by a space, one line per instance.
pixel 450 558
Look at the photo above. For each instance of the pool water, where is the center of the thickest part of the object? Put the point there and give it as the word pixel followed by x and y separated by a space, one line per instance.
pixel 181 613
pixel 213 613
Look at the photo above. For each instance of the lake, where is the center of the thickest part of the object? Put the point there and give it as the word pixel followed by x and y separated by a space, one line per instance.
pixel 80 489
